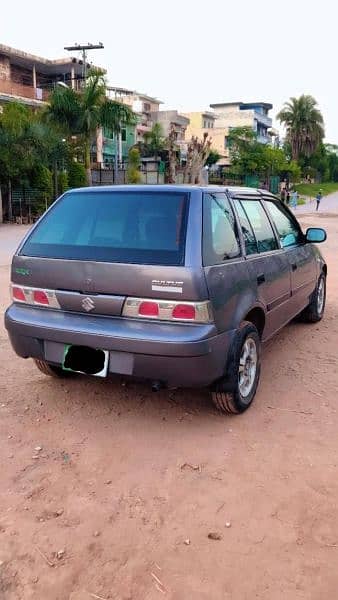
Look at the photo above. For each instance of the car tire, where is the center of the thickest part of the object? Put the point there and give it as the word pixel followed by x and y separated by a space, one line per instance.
pixel 48 369
pixel 315 310
pixel 235 393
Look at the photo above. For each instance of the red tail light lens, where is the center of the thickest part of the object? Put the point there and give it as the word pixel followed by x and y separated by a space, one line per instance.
pixel 148 309
pixel 18 294
pixel 40 297
pixel 184 311
pixel 168 310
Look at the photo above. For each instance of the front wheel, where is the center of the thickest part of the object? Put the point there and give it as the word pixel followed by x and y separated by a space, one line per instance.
pixel 315 310
pixel 236 392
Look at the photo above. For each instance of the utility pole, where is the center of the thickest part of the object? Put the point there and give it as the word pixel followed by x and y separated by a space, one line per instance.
pixel 84 49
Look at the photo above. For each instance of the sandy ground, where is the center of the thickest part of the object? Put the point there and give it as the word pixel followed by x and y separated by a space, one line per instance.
pixel 127 485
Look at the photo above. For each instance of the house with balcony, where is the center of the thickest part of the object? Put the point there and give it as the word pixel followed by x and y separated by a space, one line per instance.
pixel 144 107
pixel 200 122
pixel 172 120
pixel 28 79
pixel 229 115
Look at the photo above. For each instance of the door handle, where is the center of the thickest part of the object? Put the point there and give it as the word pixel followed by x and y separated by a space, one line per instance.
pixel 260 278
pixel 294 267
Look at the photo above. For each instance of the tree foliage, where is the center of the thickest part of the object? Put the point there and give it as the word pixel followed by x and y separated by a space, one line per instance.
pixel 249 157
pixel 213 158
pixel 81 113
pixel 155 140
pixel 22 143
pixel 76 175
pixel 134 164
pixel 304 125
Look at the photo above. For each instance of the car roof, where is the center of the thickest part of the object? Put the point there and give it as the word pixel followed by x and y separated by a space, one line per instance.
pixel 232 190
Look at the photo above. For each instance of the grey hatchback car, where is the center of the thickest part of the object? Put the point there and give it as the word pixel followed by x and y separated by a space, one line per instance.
pixel 178 285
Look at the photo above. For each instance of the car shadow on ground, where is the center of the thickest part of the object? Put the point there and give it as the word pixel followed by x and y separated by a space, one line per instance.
pixel 118 395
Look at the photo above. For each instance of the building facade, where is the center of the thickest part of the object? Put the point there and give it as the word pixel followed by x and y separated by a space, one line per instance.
pixel 240 114
pixel 144 107
pixel 29 79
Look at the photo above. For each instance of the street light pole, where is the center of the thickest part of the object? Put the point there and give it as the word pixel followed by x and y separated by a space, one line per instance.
pixel 84 49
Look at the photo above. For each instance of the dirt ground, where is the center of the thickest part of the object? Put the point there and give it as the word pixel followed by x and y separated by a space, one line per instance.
pixel 109 491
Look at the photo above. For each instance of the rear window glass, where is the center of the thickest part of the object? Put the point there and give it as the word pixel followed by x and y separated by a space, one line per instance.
pixel 129 227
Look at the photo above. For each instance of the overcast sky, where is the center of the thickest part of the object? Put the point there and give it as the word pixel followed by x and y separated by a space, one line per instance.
pixel 190 53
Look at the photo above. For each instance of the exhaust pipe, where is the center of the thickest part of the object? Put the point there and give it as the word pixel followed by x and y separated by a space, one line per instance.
pixel 156 386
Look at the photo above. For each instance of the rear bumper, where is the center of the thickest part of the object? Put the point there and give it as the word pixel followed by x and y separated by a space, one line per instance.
pixel 177 354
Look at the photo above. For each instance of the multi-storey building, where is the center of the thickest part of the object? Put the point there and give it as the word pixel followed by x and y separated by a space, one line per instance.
pixel 29 79
pixel 240 114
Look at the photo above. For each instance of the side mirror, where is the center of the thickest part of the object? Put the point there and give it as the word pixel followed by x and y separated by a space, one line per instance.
pixel 316 235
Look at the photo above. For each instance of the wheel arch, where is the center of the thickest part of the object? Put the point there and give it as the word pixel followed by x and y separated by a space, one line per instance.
pixel 256 316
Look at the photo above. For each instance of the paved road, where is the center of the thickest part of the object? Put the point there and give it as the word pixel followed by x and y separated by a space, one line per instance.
pixel 329 204
pixel 10 236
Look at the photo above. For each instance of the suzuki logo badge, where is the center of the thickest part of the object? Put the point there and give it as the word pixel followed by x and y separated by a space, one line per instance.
pixel 88 304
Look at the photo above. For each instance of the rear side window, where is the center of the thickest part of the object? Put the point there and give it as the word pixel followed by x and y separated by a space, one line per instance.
pixel 248 234
pixel 261 226
pixel 220 239
pixel 127 227
pixel 288 230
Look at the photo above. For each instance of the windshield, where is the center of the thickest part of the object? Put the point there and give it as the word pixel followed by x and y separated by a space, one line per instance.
pixel 121 226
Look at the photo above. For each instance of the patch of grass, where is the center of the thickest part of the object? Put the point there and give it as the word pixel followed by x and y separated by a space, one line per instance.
pixel 312 189
pixel 301 201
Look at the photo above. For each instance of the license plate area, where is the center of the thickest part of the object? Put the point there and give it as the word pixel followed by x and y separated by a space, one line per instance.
pixel 85 360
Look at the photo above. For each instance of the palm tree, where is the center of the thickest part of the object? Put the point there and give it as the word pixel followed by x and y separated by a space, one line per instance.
pixel 84 112
pixel 304 125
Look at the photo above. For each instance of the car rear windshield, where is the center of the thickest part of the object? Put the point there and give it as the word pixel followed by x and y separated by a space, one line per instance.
pixel 122 226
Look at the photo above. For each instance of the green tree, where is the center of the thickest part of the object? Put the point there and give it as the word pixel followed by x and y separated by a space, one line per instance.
pixel 249 157
pixel 332 151
pixel 76 175
pixel 213 157
pixel 154 140
pixel 304 125
pixel 24 146
pixel 83 112
pixel 134 163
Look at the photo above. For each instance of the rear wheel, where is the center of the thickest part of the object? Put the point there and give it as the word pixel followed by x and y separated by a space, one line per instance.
pixel 48 369
pixel 315 310
pixel 236 392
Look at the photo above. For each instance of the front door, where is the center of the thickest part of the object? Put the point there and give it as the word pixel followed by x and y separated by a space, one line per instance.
pixel 300 255
pixel 269 268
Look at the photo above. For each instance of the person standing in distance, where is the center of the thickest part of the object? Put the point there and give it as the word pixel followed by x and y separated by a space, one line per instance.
pixel 318 199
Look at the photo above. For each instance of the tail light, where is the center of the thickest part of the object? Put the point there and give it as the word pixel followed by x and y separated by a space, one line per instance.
pixel 148 309
pixel 34 296
pixel 165 310
pixel 40 297
pixel 18 295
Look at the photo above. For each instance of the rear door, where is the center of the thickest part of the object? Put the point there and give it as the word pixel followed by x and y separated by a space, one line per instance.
pixel 224 264
pixel 300 254
pixel 268 266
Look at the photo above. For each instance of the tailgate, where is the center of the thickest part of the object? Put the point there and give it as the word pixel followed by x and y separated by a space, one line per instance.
pixel 107 285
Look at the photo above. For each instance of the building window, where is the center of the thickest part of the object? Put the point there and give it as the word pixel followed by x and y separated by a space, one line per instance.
pixel 204 124
pixel 146 107
pixel 124 135
pixel 225 142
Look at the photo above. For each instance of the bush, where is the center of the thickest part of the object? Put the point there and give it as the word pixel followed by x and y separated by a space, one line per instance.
pixel 43 180
pixel 76 175
pixel 63 182
pixel 134 162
